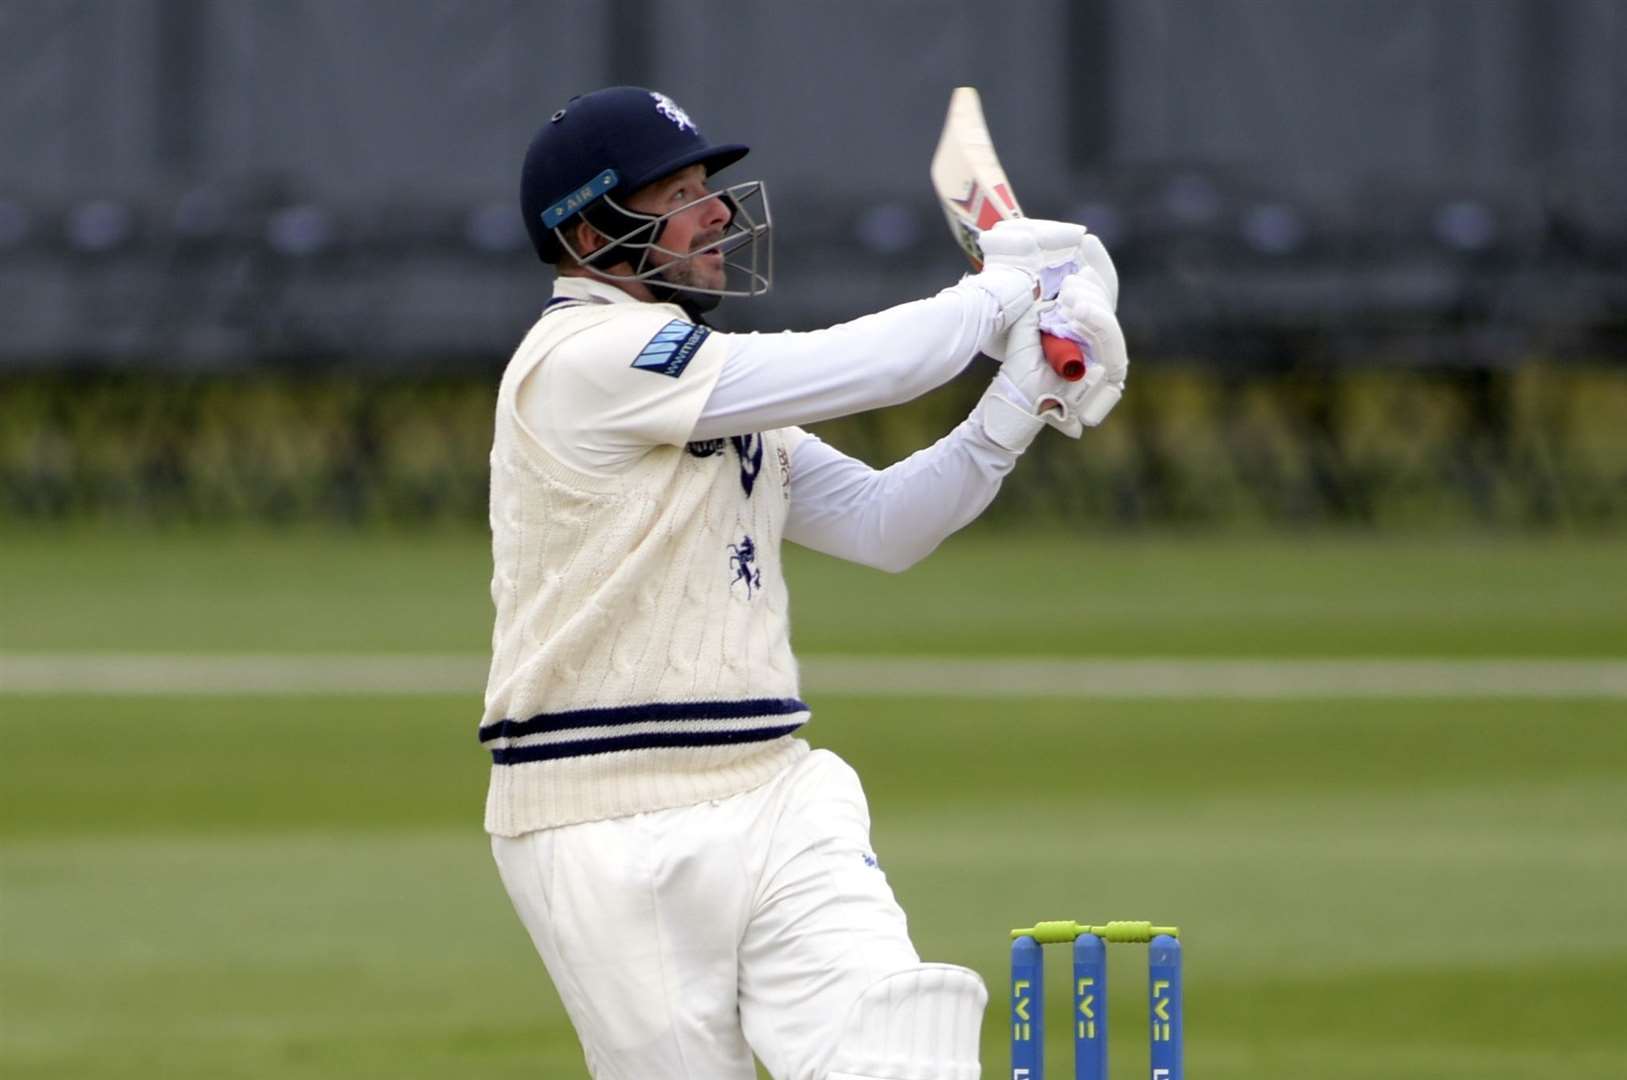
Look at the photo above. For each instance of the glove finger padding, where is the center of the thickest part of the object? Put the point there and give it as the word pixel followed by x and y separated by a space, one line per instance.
pixel 1021 238
pixel 1086 307
pixel 1097 402
pixel 1083 312
pixel 1049 250
pixel 1093 256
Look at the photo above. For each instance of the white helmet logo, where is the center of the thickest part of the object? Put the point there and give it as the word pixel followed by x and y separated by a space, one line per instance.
pixel 669 109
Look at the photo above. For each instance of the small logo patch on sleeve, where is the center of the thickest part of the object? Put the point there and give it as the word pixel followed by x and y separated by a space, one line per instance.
pixel 671 349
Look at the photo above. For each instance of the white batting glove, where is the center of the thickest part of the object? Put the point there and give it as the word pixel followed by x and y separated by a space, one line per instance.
pixel 1028 393
pixel 1093 256
pixel 1010 411
pixel 1083 310
pixel 1047 251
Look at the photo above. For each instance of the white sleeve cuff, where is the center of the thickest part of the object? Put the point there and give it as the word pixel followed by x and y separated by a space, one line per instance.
pixel 1007 416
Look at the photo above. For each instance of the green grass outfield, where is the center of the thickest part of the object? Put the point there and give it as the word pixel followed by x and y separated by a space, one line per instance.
pixel 296 886
pixel 985 593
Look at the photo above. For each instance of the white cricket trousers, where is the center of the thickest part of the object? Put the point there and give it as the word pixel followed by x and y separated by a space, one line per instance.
pixel 683 940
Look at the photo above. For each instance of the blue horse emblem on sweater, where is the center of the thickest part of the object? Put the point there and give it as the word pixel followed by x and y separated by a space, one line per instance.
pixel 743 564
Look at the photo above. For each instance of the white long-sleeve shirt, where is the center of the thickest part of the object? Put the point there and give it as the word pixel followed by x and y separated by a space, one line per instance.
pixel 885 518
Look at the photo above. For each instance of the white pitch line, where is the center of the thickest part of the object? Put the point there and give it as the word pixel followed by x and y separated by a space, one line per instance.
pixel 1263 678
pixel 893 676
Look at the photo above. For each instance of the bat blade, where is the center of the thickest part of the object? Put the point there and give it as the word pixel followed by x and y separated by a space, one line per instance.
pixel 973 190
pixel 966 173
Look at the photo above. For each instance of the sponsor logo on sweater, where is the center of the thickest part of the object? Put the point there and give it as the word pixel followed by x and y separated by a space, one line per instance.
pixel 671 349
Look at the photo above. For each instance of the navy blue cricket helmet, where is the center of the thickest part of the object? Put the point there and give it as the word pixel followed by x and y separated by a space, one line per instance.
pixel 613 140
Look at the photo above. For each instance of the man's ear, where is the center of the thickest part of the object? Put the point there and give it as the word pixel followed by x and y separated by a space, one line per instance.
pixel 586 238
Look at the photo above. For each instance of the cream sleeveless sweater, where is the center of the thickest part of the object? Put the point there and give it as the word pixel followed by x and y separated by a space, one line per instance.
pixel 641 656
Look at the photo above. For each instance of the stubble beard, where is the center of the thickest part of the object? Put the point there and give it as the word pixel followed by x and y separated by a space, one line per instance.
pixel 686 270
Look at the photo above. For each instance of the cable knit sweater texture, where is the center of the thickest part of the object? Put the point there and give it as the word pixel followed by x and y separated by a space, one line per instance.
pixel 641 655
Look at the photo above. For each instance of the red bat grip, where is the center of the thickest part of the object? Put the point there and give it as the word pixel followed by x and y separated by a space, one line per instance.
pixel 1066 358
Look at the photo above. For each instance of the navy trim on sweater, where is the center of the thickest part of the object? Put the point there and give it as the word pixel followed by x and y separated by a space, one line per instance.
pixel 639 714
pixel 518 755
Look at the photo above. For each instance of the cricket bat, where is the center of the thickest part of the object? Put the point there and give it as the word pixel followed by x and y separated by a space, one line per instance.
pixel 974 193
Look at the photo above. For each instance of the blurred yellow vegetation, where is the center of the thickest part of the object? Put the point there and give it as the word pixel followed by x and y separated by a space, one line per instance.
pixel 1540 445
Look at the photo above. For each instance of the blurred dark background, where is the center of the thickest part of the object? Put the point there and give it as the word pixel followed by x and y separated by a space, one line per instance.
pixel 264 259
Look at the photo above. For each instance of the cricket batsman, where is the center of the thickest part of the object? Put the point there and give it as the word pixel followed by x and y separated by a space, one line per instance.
pixel 700 885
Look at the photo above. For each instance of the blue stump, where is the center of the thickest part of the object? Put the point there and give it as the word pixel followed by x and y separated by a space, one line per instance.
pixel 1164 1006
pixel 1089 1008
pixel 1027 1009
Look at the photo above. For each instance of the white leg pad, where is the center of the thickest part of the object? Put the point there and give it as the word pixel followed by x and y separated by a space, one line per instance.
pixel 921 1023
